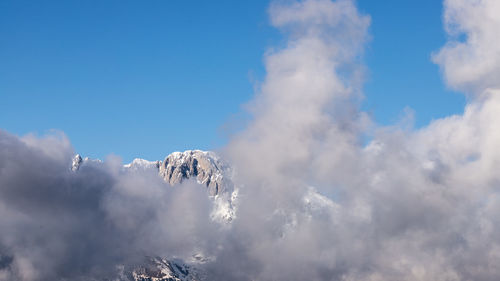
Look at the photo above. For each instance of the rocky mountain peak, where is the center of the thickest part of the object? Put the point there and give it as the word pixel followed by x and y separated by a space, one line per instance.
pixel 205 166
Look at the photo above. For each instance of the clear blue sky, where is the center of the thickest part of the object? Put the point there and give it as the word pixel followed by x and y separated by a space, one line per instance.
pixel 145 78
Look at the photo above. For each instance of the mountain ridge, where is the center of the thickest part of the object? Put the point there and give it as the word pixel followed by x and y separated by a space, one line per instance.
pixel 205 166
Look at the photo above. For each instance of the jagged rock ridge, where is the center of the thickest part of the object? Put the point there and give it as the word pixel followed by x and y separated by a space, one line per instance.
pixel 205 166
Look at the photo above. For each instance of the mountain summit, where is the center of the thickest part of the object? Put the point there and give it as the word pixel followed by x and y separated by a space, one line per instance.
pixel 204 166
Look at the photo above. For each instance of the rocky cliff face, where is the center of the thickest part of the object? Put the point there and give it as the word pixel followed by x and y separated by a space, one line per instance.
pixel 205 166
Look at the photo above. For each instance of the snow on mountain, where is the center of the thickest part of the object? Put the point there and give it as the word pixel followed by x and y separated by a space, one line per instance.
pixel 78 162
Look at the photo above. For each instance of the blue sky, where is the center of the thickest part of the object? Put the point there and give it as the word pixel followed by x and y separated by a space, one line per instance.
pixel 145 78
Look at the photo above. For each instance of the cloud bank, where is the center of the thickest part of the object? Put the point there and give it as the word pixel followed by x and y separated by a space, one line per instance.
pixel 60 225
pixel 315 203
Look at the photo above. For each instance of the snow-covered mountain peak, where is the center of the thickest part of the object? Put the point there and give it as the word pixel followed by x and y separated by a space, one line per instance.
pixel 78 162
pixel 205 166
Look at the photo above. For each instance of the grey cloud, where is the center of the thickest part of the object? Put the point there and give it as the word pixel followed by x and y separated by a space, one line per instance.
pixel 314 203
pixel 60 225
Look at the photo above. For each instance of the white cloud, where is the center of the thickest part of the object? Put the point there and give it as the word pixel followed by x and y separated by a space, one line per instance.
pixel 470 61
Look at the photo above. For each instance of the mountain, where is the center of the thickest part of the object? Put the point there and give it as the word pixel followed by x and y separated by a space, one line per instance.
pixel 204 166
